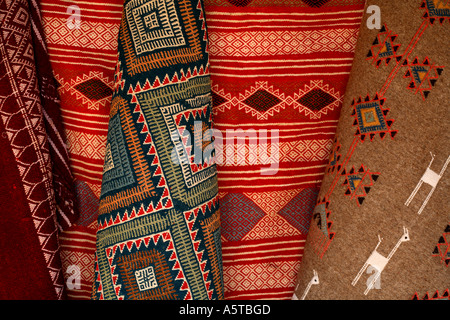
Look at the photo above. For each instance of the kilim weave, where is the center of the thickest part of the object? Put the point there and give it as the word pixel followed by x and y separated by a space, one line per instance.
pixel 82 45
pixel 37 198
pixel 279 70
pixel 381 225
pixel 158 232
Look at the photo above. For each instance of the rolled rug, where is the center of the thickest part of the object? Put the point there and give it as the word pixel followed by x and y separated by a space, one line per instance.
pixel 82 46
pixel 380 227
pixel 279 71
pixel 158 234
pixel 37 197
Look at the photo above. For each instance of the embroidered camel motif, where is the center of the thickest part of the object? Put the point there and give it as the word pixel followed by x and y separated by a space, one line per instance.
pixel 378 261
pixel 314 280
pixel 429 177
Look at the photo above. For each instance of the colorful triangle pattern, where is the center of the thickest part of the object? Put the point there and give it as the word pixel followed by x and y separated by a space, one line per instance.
pixel 384 49
pixel 423 76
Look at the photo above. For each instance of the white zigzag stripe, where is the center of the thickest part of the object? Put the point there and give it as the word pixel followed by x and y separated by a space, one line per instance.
pixel 269 43
pixel 91 35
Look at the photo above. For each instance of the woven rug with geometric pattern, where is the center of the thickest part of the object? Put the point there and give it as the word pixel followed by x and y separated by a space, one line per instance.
pixel 82 45
pixel 279 71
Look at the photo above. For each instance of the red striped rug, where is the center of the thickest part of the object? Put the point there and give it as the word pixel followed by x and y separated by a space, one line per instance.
pixel 83 58
pixel 279 71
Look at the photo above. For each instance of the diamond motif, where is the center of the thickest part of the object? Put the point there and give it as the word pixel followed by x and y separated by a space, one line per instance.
pixel 262 100
pixel 359 182
pixel 384 49
pixel 146 278
pixel 315 3
pixel 370 118
pixel 298 211
pixel 154 25
pixel 316 99
pixel 423 75
pixel 217 99
pixel 240 3
pixel 239 216
pixel 436 10
pixel 94 89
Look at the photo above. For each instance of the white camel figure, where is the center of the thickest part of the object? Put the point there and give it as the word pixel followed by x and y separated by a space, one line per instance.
pixel 378 261
pixel 314 280
pixel 430 177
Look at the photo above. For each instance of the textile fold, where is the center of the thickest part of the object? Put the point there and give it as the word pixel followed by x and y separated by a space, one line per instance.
pixel 37 197
pixel 158 233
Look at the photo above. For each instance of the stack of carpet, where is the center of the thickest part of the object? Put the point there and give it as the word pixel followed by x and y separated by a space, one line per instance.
pixel 224 149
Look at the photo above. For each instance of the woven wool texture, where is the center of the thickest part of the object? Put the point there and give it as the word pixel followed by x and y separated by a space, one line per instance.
pixel 279 70
pixel 37 197
pixel 82 45
pixel 158 234
pixel 380 228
